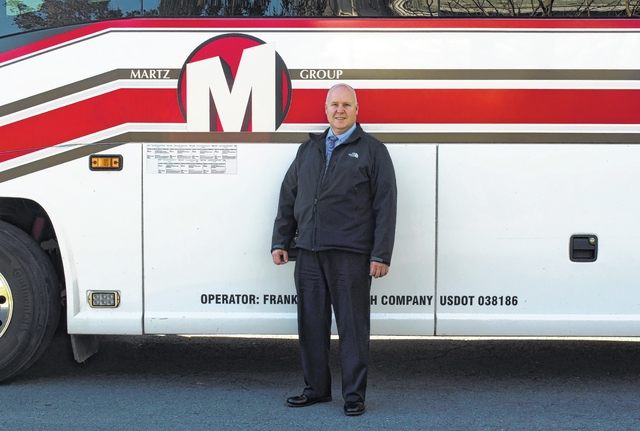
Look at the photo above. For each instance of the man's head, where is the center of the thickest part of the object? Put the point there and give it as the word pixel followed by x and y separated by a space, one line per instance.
pixel 341 108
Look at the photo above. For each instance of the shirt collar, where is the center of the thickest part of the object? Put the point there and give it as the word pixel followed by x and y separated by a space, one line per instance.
pixel 344 136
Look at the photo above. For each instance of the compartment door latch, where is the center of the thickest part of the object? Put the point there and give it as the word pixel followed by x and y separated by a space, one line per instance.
pixel 583 248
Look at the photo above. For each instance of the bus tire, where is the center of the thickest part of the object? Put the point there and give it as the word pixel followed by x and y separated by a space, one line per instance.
pixel 29 301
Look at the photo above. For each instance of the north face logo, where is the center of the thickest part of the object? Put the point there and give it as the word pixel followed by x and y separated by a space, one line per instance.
pixel 234 83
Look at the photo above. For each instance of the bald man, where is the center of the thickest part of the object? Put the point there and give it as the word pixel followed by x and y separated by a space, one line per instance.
pixel 338 205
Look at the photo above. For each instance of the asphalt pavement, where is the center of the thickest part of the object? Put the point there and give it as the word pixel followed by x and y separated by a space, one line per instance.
pixel 177 383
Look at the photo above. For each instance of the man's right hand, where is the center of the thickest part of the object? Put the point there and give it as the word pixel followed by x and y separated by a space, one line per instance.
pixel 280 257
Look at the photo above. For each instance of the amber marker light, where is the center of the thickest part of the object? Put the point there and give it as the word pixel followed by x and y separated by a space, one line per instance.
pixel 105 162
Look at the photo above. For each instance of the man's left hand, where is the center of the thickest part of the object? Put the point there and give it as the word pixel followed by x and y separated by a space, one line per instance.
pixel 378 269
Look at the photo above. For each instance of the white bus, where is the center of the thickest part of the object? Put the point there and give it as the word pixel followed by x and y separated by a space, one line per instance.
pixel 140 163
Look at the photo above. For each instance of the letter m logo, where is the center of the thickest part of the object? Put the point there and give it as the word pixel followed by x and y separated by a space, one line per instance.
pixel 244 88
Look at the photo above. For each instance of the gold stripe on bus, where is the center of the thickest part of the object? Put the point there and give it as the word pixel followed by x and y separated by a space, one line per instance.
pixel 324 74
pixel 86 84
pixel 55 160
pixel 386 137
pixel 462 74
pixel 298 137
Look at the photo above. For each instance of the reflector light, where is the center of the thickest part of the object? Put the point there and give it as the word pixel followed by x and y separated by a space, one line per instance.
pixel 103 299
pixel 105 162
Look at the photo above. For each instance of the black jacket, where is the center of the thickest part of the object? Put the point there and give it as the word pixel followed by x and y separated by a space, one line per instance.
pixel 353 208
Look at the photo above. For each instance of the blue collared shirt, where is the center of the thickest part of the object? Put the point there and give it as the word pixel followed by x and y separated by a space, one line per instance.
pixel 341 138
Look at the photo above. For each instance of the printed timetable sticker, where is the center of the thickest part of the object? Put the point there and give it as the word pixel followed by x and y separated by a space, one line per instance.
pixel 192 159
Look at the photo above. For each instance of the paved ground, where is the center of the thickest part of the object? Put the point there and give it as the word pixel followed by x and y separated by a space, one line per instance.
pixel 175 383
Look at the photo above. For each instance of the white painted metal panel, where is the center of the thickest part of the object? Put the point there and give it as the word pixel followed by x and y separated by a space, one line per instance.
pixel 97 217
pixel 360 49
pixel 412 274
pixel 505 212
pixel 207 238
pixel 505 217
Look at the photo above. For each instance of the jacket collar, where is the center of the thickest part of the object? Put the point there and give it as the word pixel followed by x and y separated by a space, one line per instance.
pixel 320 139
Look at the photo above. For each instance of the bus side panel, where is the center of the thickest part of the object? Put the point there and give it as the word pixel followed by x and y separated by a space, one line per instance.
pixel 207 238
pixel 97 219
pixel 403 301
pixel 505 217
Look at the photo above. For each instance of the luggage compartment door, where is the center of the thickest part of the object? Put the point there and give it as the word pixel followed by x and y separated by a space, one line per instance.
pixel 511 221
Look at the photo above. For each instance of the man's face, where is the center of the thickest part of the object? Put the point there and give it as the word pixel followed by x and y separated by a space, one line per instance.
pixel 341 109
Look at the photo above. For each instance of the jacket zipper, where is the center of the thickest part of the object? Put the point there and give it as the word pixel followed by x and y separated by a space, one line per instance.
pixel 315 201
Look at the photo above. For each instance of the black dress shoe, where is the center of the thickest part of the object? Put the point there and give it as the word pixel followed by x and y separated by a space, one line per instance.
pixel 354 408
pixel 304 401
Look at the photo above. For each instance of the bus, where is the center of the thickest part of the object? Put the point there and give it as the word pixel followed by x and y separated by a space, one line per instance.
pixel 140 163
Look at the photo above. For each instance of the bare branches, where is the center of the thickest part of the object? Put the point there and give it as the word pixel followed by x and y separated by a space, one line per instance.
pixel 54 13
pixel 541 8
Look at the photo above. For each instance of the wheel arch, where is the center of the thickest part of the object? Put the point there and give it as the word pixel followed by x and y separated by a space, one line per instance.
pixel 30 217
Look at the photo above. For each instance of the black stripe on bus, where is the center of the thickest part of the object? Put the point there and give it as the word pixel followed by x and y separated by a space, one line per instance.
pixel 390 138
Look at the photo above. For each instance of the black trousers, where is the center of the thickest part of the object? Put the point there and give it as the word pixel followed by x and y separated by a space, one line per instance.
pixel 340 279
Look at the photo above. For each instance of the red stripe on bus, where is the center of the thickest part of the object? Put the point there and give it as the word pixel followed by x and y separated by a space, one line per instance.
pixel 89 116
pixel 477 106
pixel 246 24
pixel 387 106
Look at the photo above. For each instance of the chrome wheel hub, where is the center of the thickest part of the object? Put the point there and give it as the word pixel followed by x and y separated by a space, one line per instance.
pixel 6 305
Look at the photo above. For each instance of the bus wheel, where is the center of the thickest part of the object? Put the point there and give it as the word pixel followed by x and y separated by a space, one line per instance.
pixel 29 301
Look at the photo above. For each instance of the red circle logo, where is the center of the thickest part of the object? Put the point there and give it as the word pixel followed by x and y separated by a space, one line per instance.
pixel 234 82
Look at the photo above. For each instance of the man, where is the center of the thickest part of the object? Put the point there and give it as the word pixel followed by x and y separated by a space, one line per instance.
pixel 338 202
